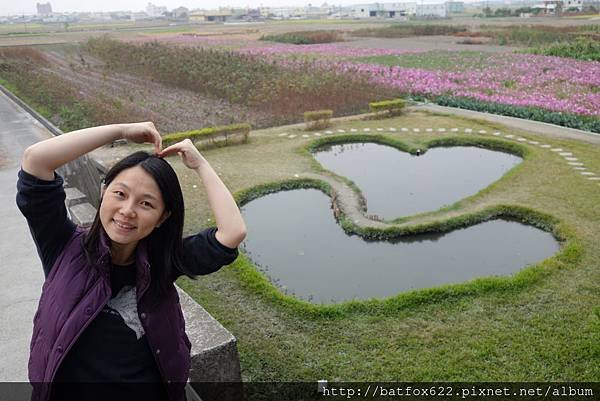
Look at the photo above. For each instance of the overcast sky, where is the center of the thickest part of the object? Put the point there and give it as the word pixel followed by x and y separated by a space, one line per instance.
pixel 15 7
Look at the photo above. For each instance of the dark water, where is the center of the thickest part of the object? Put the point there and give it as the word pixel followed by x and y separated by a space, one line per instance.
pixel 295 241
pixel 396 183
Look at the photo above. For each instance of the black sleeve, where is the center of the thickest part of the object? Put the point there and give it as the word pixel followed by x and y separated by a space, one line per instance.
pixel 43 205
pixel 204 254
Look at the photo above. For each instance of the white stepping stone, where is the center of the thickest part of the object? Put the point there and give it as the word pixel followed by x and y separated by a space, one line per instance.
pixel 509 136
pixel 329 132
pixel 533 142
pixel 545 146
pixel 468 130
pixel 594 178
pixel 392 129
pixel 283 134
pixel 367 129
pixel 292 136
pixel 404 129
pixel 496 134
pixel 379 129
pixel 305 136
pixel 566 154
pixel 579 168
pixel 341 130
pixel 587 173
pixel 429 130
pixel 454 130
pixel 482 131
pixel 556 149
pixel 521 139
pixel 441 129
pixel 571 159
pixel 416 129
pixel 353 130
pixel 317 134
pixel 575 164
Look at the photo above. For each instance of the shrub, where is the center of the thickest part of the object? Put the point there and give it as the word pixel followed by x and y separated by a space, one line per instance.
pixel 582 49
pixel 586 123
pixel 318 119
pixel 305 37
pixel 272 88
pixel 210 134
pixel 404 30
pixel 388 108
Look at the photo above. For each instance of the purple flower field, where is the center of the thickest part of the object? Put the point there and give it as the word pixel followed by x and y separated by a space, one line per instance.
pixel 552 83
pixel 324 49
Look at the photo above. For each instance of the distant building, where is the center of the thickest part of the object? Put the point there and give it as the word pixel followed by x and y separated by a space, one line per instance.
pixel 401 10
pixel 155 11
pixel 44 8
pixel 578 4
pixel 455 7
pixel 221 15
pixel 432 10
pixel 181 13
pixel 384 10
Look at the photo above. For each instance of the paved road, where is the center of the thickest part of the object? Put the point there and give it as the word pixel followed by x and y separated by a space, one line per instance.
pixel 21 272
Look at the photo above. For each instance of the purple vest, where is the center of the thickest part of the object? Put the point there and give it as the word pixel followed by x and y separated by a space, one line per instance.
pixel 74 293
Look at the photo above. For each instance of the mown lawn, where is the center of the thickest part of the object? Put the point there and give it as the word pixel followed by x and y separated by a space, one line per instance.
pixel 546 331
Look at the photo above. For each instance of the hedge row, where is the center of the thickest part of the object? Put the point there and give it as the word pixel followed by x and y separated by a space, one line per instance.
pixel 389 107
pixel 318 119
pixel 585 123
pixel 208 133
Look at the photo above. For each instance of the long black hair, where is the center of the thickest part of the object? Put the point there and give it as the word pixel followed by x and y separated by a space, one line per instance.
pixel 164 244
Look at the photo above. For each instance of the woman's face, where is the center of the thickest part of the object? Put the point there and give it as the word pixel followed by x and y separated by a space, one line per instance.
pixel 132 206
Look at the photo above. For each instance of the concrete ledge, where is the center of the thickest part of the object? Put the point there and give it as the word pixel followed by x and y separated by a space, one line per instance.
pixel 214 352
pixel 74 197
pixel 82 214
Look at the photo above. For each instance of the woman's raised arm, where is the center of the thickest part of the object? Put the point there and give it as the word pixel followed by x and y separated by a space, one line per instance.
pixel 231 229
pixel 42 158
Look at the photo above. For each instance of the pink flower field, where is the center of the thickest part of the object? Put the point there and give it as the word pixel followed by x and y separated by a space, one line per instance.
pixel 552 83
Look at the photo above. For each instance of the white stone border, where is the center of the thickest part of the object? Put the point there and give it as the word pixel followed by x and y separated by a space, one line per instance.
pixel 568 156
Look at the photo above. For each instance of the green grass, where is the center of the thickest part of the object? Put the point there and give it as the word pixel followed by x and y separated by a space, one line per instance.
pixel 539 325
pixel 432 60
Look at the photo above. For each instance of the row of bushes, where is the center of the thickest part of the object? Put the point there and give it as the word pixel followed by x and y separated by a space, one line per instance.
pixel 406 30
pixel 262 86
pixel 504 35
pixel 209 134
pixel 24 72
pixel 306 37
pixel 585 123
pixel 320 119
pixel 581 49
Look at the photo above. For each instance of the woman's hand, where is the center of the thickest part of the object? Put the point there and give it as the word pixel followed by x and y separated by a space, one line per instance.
pixel 142 132
pixel 189 153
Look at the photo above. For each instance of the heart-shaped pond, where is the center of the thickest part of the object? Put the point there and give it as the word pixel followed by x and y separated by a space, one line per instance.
pixel 294 239
pixel 396 183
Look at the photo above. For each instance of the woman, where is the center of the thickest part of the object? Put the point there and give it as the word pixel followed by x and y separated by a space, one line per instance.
pixel 109 311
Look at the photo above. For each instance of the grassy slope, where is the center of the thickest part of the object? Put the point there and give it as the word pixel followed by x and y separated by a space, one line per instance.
pixel 545 332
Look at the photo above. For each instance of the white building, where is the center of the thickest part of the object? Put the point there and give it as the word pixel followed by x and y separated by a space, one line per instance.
pixel 155 11
pixel 432 10
pixel 384 10
pixel 578 4
pixel 399 10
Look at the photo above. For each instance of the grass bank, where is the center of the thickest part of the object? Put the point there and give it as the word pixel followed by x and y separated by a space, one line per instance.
pixel 538 325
